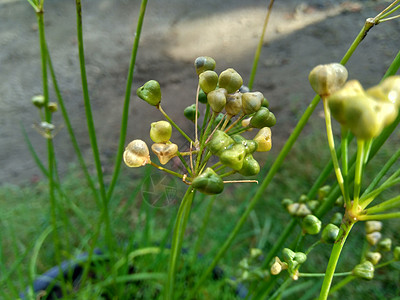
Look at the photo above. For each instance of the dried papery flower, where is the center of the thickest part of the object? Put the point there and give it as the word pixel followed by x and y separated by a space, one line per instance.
pixel 208 81
pixel 209 182
pixel 230 80
pixel 263 139
pixel 325 79
pixel 136 154
pixel 150 92
pixel 164 152
pixel 160 132
pixel 204 63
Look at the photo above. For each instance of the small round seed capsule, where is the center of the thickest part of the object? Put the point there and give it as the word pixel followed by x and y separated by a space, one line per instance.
pixel 250 166
pixel 160 132
pixel 150 92
pixel 373 238
pixel 251 102
pixel 230 80
pixel 208 81
pixel 396 253
pixel 38 101
pixel 219 142
pixel 372 226
pixel 385 244
pixel 311 225
pixel 325 79
pixel 164 152
pixel 208 183
pixel 202 97
pixel 204 63
pixel 337 219
pixel 263 139
pixel 52 106
pixel 217 99
pixel 263 118
pixel 373 257
pixel 364 270
pixel 136 154
pixel 233 104
pixel 330 233
pixel 233 157
pixel 190 112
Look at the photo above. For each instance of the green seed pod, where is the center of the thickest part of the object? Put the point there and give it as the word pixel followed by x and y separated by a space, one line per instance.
pixel 251 102
pixel 388 90
pixel 298 209
pixel 313 204
pixel 311 224
pixel 255 253
pixel 249 145
pixel 323 192
pixel 190 112
pixel 52 106
pixel 136 154
pixel 263 139
pixel 150 92
pixel 164 152
pixel 202 97
pixel 233 157
pixel 293 259
pixel 263 118
pixel 325 79
pixel 250 166
pixel 217 99
pixel 385 244
pixel 286 202
pixel 204 63
pixel 372 226
pixel 373 257
pixel 288 255
pixel 208 81
pixel 364 270
pixel 160 132
pixel 337 219
pixel 265 103
pixel 38 101
pixel 373 238
pixel 219 142
pixel 208 182
pixel 233 104
pixel 386 111
pixel 230 80
pixel 339 201
pixel 396 253
pixel 303 198
pixel 300 257
pixel 330 233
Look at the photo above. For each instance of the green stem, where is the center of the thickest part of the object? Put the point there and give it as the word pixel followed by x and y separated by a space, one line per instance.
pixel 336 250
pixel 341 284
pixel 386 205
pixel 167 170
pixel 358 173
pixel 259 46
pixel 125 110
pixel 177 239
pixel 394 215
pixel 323 274
pixel 203 144
pixel 173 124
pixel 345 164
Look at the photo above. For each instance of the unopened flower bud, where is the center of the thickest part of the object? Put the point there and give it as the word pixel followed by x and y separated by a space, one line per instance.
pixel 385 244
pixel 373 238
pixel 311 224
pixel 251 102
pixel 219 142
pixel 330 233
pixel 204 63
pixel 263 139
pixel 364 270
pixel 337 219
pixel 250 166
pixel 396 253
pixel 303 198
pixel 255 253
pixel 208 81
pixel 209 182
pixel 263 118
pixel 150 92
pixel 323 192
pixel 190 112
pixel 325 79
pixel 298 209
pixel 230 80
pixel 233 104
pixel 136 154
pixel 217 99
pixel 233 157
pixel 164 152
pixel 372 226
pixel 312 204
pixel 373 257
pixel 160 132
pixel 52 106
pixel 286 202
pixel 38 101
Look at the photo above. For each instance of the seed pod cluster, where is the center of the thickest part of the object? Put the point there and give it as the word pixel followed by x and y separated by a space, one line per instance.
pixel 326 79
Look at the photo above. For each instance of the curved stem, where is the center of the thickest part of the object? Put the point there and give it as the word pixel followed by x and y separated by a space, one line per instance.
pixel 167 170
pixel 174 124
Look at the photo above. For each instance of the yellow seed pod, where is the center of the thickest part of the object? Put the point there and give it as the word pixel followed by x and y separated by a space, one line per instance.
pixel 160 132
pixel 217 99
pixel 246 122
pixel 208 81
pixel 164 152
pixel 204 63
pixel 233 103
pixel 388 90
pixel 230 80
pixel 263 139
pixel 325 79
pixel 278 266
pixel 136 154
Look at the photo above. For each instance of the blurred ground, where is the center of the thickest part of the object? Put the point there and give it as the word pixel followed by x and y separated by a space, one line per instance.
pixel 300 35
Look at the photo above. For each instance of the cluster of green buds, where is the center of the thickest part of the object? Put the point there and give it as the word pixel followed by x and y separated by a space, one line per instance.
pixel 291 262
pixel 46 129
pixel 230 111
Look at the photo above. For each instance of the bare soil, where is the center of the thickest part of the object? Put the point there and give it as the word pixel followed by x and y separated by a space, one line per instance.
pixel 300 35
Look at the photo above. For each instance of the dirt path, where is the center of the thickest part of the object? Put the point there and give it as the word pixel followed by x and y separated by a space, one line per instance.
pixel 300 35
